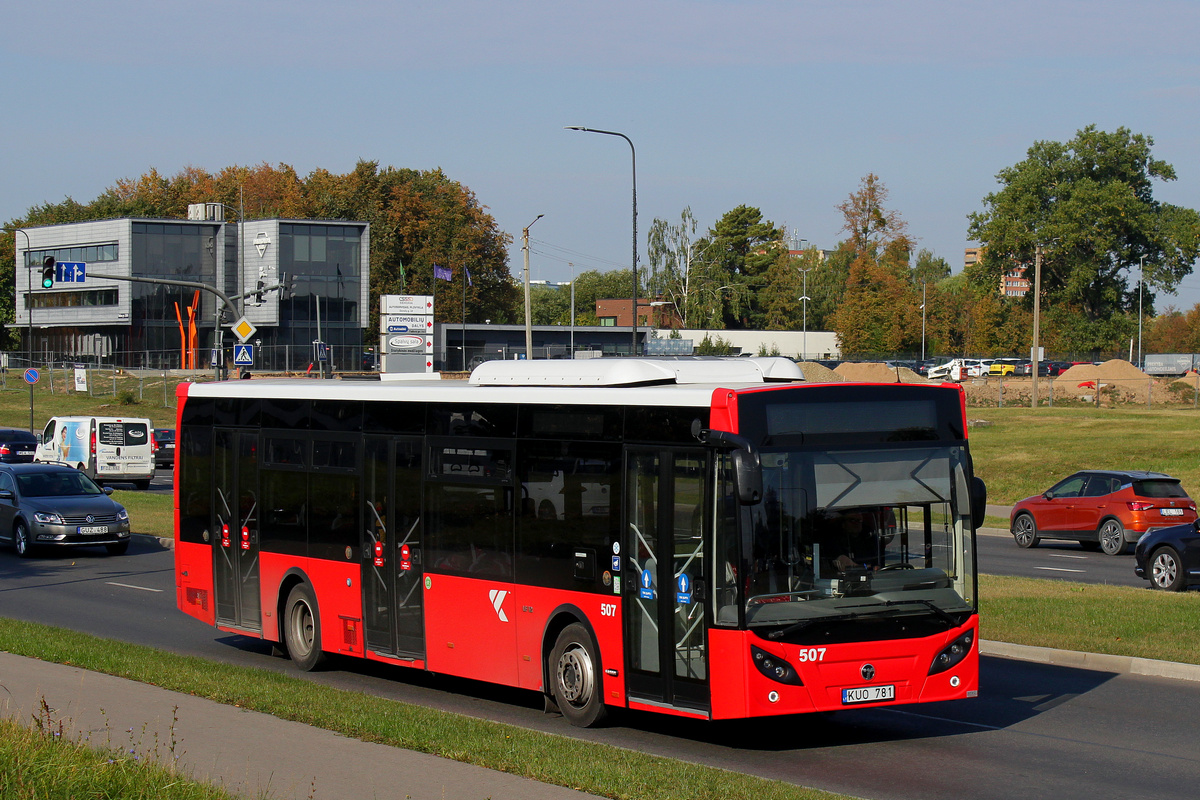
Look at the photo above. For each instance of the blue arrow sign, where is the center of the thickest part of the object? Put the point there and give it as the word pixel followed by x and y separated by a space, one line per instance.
pixel 243 355
pixel 70 272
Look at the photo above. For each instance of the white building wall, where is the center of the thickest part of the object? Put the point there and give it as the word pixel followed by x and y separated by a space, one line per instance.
pixel 810 346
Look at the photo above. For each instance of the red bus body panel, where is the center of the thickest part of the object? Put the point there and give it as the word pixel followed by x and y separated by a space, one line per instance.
pixel 495 631
pixel 194 580
pixel 339 598
pixel 739 690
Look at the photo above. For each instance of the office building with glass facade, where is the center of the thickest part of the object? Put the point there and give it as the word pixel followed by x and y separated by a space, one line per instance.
pixel 95 313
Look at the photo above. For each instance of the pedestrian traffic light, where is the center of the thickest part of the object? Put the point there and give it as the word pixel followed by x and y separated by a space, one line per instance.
pixel 48 273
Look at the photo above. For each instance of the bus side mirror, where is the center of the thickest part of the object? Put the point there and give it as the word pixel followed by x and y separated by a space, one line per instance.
pixel 747 470
pixel 978 502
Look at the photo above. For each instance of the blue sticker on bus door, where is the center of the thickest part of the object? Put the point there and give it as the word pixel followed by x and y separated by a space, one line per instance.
pixel 616 563
pixel 684 585
pixel 647 590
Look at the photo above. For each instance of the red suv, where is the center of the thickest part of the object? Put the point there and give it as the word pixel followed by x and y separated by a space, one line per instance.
pixel 1107 509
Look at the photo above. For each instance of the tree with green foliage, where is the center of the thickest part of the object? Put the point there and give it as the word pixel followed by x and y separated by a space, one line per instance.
pixel 1089 205
pixel 733 262
pixel 671 249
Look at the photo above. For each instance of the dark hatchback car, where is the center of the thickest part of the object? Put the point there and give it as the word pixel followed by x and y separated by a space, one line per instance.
pixel 52 505
pixel 1169 558
pixel 1107 509
pixel 16 446
pixel 164 448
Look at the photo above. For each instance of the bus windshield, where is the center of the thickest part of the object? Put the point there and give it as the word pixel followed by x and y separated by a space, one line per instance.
pixel 845 536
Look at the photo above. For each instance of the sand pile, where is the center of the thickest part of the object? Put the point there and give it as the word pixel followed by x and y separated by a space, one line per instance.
pixel 877 373
pixel 1113 371
pixel 816 373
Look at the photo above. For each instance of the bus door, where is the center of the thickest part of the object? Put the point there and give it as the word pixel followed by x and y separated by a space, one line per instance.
pixel 391 547
pixel 235 521
pixel 666 590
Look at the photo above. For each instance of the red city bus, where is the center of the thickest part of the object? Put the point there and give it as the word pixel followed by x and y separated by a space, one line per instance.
pixel 710 538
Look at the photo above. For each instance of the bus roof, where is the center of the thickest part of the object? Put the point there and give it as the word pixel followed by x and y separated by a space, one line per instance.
pixel 624 381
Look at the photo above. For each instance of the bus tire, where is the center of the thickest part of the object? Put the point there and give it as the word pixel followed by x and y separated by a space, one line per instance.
pixel 575 681
pixel 302 628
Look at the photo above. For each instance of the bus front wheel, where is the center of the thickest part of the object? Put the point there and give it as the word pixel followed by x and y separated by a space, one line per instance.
pixel 575 677
pixel 302 628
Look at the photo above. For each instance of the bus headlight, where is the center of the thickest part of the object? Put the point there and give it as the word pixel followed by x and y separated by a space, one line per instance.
pixel 953 654
pixel 774 667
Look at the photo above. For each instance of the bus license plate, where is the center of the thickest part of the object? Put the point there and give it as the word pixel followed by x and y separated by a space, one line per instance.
pixel 85 530
pixel 868 694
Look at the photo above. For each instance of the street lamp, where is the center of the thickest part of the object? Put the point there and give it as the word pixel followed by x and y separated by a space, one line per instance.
pixel 528 324
pixel 633 262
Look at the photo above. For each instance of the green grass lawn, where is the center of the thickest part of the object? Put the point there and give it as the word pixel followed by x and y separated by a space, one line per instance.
pixel 1024 452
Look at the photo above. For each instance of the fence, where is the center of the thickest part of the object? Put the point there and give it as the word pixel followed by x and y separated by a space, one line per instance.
pixel 1097 389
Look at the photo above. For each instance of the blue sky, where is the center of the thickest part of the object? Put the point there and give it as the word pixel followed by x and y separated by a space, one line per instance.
pixel 780 105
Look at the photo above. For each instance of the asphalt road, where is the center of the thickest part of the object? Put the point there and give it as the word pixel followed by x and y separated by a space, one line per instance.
pixel 1054 560
pixel 1036 730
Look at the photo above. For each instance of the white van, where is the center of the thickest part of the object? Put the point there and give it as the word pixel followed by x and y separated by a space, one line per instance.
pixel 106 449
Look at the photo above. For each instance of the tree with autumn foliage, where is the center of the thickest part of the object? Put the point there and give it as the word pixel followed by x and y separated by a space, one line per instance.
pixel 880 311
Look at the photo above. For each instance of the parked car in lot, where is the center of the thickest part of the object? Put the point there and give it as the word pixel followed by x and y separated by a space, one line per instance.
pixel 1005 366
pixel 1107 509
pixel 17 446
pixel 960 367
pixel 52 505
pixel 164 448
pixel 1169 557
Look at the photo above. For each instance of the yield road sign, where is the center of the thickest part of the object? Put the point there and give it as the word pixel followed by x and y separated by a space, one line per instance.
pixel 243 355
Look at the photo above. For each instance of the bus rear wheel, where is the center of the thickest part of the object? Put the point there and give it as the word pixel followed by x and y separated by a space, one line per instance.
pixel 575 682
pixel 302 628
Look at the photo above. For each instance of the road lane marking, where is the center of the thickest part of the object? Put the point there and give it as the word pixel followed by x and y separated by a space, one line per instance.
pixel 1066 555
pixel 1060 569
pixel 131 586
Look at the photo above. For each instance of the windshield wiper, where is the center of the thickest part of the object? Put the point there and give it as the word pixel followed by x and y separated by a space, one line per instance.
pixel 804 623
pixel 932 606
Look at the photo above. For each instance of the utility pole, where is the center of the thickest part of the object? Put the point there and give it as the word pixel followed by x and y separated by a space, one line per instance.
pixel 1035 354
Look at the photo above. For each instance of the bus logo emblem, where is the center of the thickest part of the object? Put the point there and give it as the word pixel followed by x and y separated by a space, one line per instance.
pixel 497 596
pixel 868 671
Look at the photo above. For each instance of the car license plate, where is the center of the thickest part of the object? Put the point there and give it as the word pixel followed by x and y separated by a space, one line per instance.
pixel 85 530
pixel 868 694
pixel 1171 512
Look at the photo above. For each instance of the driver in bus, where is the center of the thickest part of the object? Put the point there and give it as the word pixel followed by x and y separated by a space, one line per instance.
pixel 853 539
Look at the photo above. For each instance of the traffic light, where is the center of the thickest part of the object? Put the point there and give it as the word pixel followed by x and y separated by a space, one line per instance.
pixel 258 292
pixel 48 273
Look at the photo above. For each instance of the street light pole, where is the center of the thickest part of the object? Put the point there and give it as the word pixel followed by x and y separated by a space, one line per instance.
pixel 633 261
pixel 528 323
pixel 804 298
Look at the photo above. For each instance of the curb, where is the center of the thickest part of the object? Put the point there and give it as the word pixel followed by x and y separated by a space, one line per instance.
pixel 1124 665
